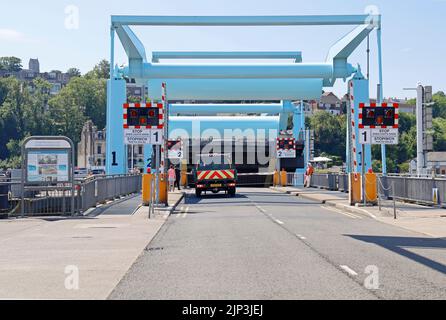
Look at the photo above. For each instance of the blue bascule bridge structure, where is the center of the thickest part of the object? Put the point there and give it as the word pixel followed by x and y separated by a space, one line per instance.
pixel 215 87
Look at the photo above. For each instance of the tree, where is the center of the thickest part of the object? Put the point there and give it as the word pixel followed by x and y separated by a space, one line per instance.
pixel 439 126
pixel 439 108
pixel 66 117
pixel 11 64
pixel 330 133
pixel 89 94
pixel 74 72
pixel 37 115
pixel 100 71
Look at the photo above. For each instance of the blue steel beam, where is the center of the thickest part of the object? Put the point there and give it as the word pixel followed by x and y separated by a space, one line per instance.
pixel 195 127
pixel 132 45
pixel 212 108
pixel 237 89
pixel 311 20
pixel 157 55
pixel 238 71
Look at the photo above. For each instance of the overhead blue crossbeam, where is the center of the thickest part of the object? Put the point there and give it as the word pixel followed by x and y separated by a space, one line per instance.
pixel 157 55
pixel 212 108
pixel 238 71
pixel 310 20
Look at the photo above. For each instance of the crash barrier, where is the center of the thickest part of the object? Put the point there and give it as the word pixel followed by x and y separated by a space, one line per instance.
pixel 99 189
pixel 430 191
pixel 427 190
pixel 4 194
pixel 88 193
pixel 342 182
pixel 324 181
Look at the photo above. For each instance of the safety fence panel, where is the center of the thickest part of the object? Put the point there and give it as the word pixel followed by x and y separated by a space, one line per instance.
pixel 324 181
pixel 414 189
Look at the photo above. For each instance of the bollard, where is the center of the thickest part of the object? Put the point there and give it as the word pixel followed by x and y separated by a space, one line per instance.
pixel 370 188
pixel 146 188
pixel 163 189
pixel 183 174
pixel 283 178
pixel 276 178
pixel 354 186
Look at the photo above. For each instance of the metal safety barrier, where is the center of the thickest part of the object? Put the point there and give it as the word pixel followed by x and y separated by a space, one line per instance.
pixel 101 189
pixel 324 181
pixel 56 200
pixel 414 189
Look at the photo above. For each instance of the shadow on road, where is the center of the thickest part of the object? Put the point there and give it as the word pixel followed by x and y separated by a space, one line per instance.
pixel 400 245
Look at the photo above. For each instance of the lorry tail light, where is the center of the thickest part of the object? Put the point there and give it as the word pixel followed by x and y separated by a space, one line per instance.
pixel 232 184
pixel 200 185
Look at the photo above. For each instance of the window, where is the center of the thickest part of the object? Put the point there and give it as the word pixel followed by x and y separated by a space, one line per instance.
pixel 140 150
pixel 99 149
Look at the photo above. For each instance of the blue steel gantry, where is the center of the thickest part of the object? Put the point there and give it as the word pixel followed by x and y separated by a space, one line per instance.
pixel 283 82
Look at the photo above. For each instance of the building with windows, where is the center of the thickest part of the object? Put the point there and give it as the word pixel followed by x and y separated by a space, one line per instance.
pixel 58 79
pixel 91 148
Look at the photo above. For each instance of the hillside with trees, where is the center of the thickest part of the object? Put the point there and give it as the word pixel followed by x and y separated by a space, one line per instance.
pixel 30 109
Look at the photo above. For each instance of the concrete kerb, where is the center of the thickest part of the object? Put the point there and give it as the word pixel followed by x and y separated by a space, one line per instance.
pixel 333 202
pixel 170 209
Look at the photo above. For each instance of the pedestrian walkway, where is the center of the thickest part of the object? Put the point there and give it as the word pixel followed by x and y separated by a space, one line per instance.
pixel 40 258
pixel 423 219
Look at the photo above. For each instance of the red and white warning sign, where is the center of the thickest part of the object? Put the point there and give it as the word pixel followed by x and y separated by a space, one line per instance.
pixel 378 123
pixel 143 123
pixel 286 148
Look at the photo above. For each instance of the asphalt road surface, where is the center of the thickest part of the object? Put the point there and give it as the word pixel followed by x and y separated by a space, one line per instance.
pixel 267 245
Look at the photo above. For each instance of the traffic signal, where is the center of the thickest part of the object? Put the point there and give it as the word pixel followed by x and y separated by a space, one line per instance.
pixel 142 116
pixel 378 116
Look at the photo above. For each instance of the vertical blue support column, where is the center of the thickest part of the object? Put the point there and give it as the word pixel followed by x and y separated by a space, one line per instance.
pixel 298 128
pixel 380 95
pixel 283 116
pixel 359 93
pixel 115 158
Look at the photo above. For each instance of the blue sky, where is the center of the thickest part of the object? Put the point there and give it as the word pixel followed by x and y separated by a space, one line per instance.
pixel 414 44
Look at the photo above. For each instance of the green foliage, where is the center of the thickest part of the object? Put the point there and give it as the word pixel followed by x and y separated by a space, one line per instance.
pixel 329 132
pixel 74 72
pixel 439 127
pixel 11 64
pixel 100 71
pixel 29 109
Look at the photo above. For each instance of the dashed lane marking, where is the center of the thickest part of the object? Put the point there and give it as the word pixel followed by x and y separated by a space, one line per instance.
pixel 185 212
pixel 348 270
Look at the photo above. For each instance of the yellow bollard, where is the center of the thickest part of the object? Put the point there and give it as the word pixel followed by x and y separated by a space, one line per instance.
pixel 283 178
pixel 163 189
pixel 276 178
pixel 371 188
pixel 354 194
pixel 183 180
pixel 146 188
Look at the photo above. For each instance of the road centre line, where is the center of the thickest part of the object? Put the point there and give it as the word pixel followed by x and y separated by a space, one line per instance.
pixel 348 270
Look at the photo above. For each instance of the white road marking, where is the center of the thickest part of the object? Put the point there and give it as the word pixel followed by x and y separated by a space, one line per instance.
pixel 278 221
pixel 347 214
pixel 258 207
pixel 349 270
pixel 185 212
pixel 300 237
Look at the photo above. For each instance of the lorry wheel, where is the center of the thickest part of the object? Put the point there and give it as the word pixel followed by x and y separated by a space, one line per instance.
pixel 198 193
pixel 231 192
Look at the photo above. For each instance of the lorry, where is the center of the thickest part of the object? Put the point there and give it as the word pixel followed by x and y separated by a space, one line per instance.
pixel 215 172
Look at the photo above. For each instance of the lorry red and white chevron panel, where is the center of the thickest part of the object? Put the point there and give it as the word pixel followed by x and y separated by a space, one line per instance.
pixel 216 174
